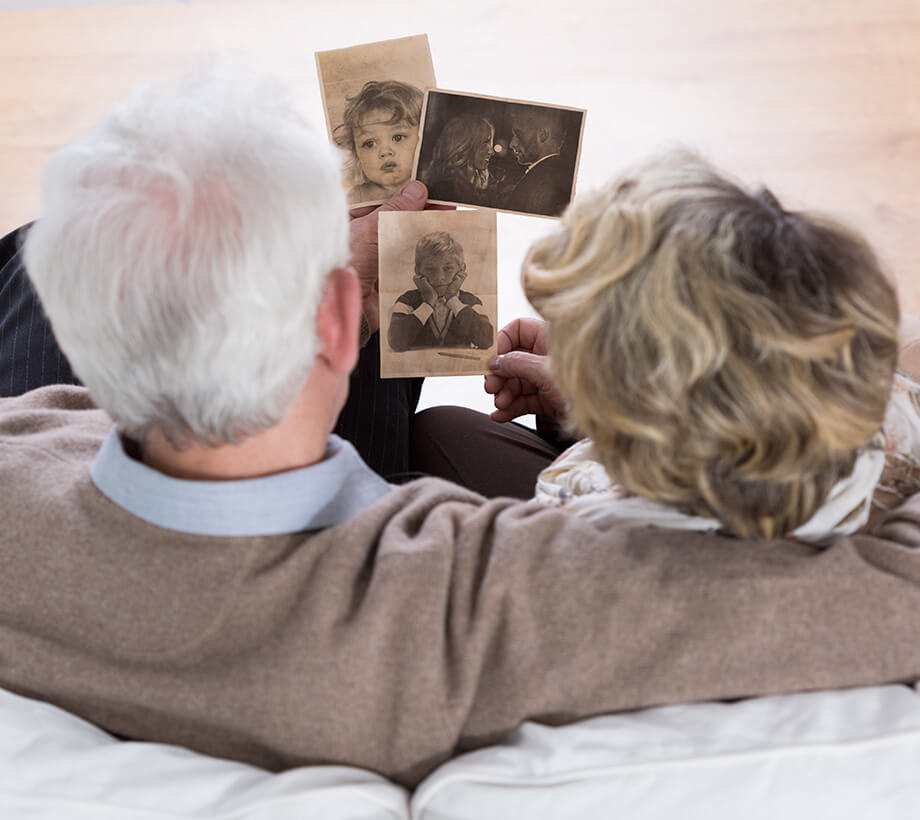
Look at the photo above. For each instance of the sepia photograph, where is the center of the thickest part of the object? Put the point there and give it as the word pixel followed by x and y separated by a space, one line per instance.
pixel 438 292
pixel 489 152
pixel 373 96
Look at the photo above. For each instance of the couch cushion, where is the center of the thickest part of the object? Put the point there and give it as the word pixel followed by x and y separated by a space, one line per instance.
pixel 841 754
pixel 55 766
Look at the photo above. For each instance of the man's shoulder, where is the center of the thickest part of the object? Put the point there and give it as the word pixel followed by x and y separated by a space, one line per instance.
pixel 553 170
pixel 431 515
pixel 468 298
pixel 556 163
pixel 48 440
pixel 57 409
pixel 47 436
pixel 424 496
pixel 545 188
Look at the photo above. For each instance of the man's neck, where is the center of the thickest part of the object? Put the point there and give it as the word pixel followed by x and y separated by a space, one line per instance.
pixel 252 458
pixel 298 440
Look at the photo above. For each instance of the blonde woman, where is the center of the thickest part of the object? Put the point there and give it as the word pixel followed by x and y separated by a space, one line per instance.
pixel 459 167
pixel 729 364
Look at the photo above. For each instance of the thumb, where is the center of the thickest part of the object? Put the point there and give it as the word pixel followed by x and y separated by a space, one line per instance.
pixel 521 365
pixel 411 197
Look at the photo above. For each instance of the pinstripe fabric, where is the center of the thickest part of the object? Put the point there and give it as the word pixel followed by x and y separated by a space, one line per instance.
pixel 29 355
pixel 375 418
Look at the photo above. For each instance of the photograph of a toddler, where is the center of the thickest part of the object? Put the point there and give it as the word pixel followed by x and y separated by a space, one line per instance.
pixel 373 96
pixel 380 132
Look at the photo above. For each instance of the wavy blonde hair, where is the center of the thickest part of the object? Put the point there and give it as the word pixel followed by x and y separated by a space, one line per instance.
pixel 728 357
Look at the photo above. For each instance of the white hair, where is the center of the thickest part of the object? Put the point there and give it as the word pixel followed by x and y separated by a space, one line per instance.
pixel 182 253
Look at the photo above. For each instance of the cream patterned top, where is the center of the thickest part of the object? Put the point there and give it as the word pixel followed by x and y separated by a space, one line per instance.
pixel 885 473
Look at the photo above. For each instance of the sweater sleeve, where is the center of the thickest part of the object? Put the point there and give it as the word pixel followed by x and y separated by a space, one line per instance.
pixel 551 620
pixel 471 321
pixel 407 319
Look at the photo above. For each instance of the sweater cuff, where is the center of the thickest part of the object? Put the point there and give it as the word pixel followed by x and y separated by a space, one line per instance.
pixel 455 305
pixel 423 312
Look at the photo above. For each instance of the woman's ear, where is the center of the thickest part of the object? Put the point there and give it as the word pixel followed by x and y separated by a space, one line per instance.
pixel 338 320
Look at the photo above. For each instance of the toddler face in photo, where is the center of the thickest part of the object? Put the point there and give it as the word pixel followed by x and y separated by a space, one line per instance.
pixel 380 131
pixel 385 149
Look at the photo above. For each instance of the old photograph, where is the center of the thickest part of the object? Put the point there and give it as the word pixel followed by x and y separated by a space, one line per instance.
pixel 438 292
pixel 509 155
pixel 373 96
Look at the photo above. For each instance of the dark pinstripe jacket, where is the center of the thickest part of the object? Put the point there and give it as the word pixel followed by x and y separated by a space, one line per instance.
pixel 29 355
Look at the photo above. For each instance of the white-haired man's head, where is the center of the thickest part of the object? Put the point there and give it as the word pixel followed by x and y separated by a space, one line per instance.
pixel 182 253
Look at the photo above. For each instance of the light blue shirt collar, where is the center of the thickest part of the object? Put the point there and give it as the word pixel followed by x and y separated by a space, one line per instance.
pixel 321 495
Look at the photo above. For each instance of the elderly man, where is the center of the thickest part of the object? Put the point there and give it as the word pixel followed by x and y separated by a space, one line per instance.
pixel 200 562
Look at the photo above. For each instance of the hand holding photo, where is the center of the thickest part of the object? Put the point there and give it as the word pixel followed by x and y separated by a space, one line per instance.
pixel 438 292
pixel 496 153
pixel 373 96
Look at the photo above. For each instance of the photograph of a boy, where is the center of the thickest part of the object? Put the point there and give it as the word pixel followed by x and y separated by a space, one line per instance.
pixel 380 132
pixel 438 312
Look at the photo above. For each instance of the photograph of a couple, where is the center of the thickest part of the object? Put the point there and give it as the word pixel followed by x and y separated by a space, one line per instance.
pixel 497 153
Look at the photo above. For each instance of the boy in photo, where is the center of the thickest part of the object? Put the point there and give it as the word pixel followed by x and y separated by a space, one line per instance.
pixel 438 313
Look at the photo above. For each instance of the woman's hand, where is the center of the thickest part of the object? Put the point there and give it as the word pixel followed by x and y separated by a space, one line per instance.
pixel 520 381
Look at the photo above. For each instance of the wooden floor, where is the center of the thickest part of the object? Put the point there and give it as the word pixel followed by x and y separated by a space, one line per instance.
pixel 820 99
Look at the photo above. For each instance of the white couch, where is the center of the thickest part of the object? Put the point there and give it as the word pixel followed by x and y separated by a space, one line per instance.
pixel 837 754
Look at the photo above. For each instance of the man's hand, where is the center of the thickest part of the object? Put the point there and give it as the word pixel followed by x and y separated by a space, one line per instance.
pixel 363 242
pixel 520 381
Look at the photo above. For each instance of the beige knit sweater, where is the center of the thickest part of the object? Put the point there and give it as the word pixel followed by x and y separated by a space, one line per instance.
pixel 430 623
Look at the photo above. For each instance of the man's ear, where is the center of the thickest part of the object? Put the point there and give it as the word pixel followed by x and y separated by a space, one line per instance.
pixel 543 135
pixel 338 320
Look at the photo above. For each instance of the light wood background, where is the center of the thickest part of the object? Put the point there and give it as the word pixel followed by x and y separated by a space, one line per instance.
pixel 820 99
